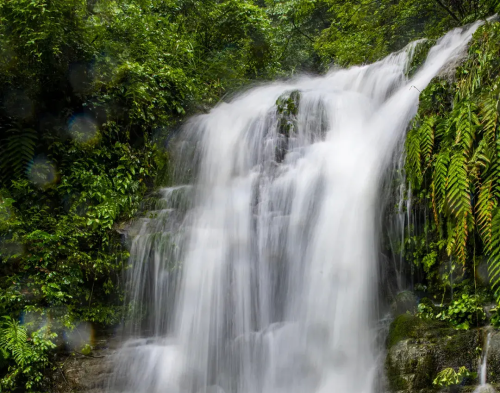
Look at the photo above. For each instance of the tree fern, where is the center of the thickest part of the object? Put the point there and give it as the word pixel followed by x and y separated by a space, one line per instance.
pixel 18 148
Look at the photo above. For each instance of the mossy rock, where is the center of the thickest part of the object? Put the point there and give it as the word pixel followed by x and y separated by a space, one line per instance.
pixel 403 327
pixel 420 349
pixel 287 108
pixel 396 380
pixel 408 326
pixel 410 366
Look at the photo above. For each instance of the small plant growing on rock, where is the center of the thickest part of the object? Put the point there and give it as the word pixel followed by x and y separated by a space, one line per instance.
pixel 464 312
pixel 449 377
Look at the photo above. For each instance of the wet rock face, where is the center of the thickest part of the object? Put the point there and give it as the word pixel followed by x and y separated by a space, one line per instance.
pixel 418 350
pixel 89 374
pixel 493 361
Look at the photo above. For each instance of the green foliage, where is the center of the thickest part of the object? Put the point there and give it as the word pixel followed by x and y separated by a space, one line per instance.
pixel 453 161
pixel 464 313
pixel 427 310
pixel 364 31
pixel 450 377
pixel 29 355
pixel 495 319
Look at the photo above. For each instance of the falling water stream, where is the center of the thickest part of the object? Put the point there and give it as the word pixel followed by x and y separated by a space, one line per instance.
pixel 483 369
pixel 483 366
pixel 261 276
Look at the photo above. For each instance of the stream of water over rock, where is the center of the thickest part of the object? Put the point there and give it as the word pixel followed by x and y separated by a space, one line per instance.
pixel 260 276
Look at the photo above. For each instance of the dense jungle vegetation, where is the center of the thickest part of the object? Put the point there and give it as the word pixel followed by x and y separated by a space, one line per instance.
pixel 90 89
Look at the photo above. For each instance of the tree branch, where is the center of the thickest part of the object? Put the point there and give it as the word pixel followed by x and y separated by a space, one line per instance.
pixel 301 32
pixel 448 11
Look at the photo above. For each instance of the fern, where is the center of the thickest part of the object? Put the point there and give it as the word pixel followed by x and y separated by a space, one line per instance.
pixel 466 123
pixel 480 162
pixel 457 187
pixel 413 158
pixel 426 134
pixel 440 178
pixel 442 125
pixel 18 148
pixel 494 254
pixel 459 204
pixel 14 338
pixel 485 207
pixel 494 169
pixel 490 108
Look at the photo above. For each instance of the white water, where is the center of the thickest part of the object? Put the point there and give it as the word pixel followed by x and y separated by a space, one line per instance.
pixel 483 367
pixel 267 284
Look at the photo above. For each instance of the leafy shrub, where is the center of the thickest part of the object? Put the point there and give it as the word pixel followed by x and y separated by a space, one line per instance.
pixel 453 164
pixel 464 312
pixel 28 355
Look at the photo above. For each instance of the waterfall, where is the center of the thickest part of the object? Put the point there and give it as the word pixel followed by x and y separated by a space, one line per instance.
pixel 483 369
pixel 261 276
pixel 483 364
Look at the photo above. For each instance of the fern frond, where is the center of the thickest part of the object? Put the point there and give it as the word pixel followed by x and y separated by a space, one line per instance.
pixel 14 338
pixel 442 125
pixel 458 242
pixel 486 204
pixel 494 254
pixel 426 136
pixel 457 187
pixel 439 180
pixel 490 116
pixel 493 172
pixel 480 162
pixel 466 123
pixel 413 158
pixel 18 149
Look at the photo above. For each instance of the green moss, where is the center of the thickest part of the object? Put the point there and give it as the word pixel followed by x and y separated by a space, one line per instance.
pixel 396 381
pixel 425 372
pixel 403 327
pixel 409 326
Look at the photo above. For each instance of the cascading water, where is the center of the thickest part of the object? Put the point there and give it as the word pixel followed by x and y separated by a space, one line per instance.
pixel 483 369
pixel 484 361
pixel 265 281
